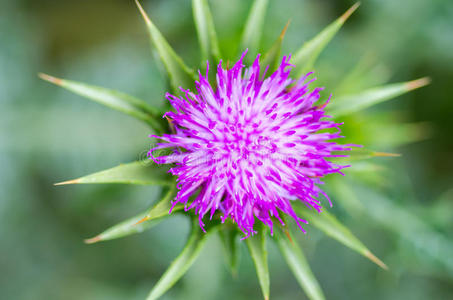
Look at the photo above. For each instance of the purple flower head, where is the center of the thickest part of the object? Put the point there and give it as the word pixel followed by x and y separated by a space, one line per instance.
pixel 249 146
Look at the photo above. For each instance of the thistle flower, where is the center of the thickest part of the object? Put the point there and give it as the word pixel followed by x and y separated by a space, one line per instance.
pixel 249 148
pixel 251 145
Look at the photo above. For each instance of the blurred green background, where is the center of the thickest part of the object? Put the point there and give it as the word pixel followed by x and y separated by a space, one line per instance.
pixel 49 135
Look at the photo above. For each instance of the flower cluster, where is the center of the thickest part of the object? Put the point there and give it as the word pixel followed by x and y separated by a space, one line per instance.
pixel 250 146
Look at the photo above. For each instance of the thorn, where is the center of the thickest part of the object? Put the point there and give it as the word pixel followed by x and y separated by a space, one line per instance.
pixel 142 11
pixel 51 79
pixel 386 154
pixel 289 89
pixel 349 12
pixel 376 260
pixel 418 83
pixel 170 124
pixel 289 237
pixel 142 220
pixel 72 181
pixel 93 240
pixel 322 105
pixel 282 34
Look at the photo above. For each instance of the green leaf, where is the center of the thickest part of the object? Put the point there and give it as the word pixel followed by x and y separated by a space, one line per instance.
pixel 125 228
pixel 141 222
pixel 346 196
pixel 253 28
pixel 206 31
pixel 298 264
pixel 353 103
pixel 182 263
pixel 366 171
pixel 139 172
pixel 258 251
pixel 229 239
pixel 272 57
pixel 119 101
pixel 397 135
pixel 430 245
pixel 366 73
pixel 333 228
pixel 306 56
pixel 180 75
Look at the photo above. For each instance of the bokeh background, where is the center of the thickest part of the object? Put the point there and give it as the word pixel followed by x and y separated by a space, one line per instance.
pixel 49 135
